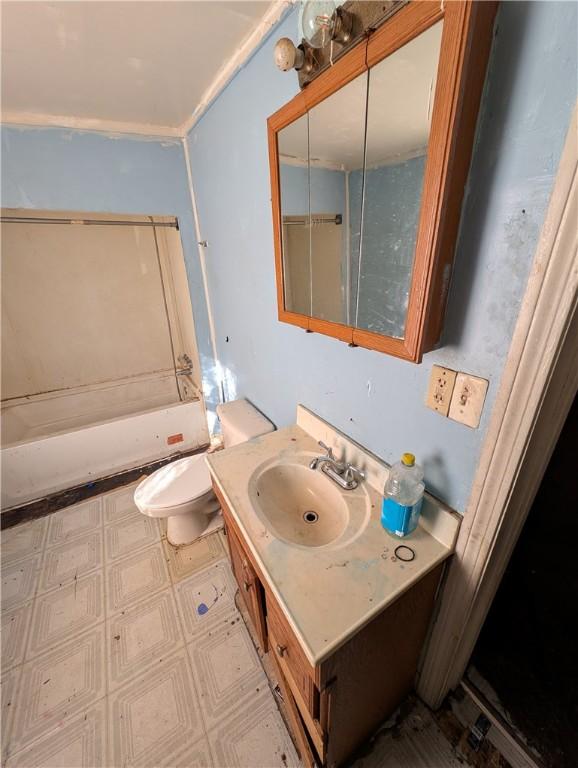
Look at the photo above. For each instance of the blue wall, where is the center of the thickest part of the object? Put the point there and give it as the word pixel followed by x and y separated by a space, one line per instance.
pixel 378 400
pixel 328 195
pixel 327 190
pixel 390 218
pixel 57 169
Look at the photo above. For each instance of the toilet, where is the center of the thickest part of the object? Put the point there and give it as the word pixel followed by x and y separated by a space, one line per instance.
pixel 182 491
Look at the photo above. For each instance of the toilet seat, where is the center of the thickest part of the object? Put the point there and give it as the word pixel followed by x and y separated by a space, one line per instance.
pixel 174 485
pixel 182 491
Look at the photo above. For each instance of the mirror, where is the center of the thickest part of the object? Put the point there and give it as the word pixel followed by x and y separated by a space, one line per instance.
pixel 293 144
pixel 336 145
pixel 399 110
pixel 317 153
pixel 351 176
pixel 368 167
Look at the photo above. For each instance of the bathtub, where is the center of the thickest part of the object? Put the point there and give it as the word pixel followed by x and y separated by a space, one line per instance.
pixel 56 443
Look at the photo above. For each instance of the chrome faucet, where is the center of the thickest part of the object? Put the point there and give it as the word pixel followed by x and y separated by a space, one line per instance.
pixel 342 473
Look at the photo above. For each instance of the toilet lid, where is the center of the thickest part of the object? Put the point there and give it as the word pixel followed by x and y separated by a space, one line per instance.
pixel 176 483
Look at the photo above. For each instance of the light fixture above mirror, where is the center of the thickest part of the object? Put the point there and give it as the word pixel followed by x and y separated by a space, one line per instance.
pixel 317 22
pixel 327 29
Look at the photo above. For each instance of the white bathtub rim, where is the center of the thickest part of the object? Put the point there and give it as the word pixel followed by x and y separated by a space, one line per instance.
pixel 40 468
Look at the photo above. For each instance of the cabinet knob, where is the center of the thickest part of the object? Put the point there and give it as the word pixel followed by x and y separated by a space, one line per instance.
pixel 281 649
pixel 248 585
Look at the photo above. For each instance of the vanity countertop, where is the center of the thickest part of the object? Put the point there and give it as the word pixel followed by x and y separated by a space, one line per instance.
pixel 328 593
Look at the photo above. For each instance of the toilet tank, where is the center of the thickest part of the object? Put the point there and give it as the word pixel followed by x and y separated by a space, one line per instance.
pixel 240 421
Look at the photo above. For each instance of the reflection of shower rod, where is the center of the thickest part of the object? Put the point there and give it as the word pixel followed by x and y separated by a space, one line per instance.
pixel 337 219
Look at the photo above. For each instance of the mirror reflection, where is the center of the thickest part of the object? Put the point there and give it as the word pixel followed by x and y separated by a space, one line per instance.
pixel 293 148
pixel 336 146
pixel 398 130
pixel 317 153
pixel 351 179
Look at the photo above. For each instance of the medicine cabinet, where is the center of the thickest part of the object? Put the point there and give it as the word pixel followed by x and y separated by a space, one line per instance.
pixel 368 166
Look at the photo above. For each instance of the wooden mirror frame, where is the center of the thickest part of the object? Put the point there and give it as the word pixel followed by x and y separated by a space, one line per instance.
pixel 464 51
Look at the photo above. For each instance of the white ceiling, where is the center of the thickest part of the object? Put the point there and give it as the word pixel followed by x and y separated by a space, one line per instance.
pixel 136 62
pixel 401 91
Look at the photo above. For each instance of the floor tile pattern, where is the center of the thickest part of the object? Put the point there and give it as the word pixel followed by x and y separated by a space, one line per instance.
pixel 139 638
pixel 136 576
pixel 155 717
pixel 57 684
pixel 206 599
pixel 64 612
pixel 64 563
pixel 15 625
pixel 183 561
pixel 23 540
pixel 235 741
pixel 120 650
pixel 73 521
pixel 127 536
pixel 227 670
pixel 81 741
pixel 9 690
pixel 19 581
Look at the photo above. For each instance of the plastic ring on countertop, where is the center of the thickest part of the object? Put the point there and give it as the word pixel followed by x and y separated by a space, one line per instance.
pixel 404 559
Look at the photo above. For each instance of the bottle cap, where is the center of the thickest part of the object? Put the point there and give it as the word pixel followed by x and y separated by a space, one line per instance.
pixel 408 459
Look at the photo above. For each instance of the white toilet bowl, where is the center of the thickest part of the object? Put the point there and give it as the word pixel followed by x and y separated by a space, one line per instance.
pixel 182 493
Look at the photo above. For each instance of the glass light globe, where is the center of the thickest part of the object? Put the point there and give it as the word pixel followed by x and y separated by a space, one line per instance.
pixel 287 55
pixel 315 21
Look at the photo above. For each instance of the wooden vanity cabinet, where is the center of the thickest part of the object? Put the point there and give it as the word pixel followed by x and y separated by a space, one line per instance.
pixel 249 585
pixel 291 658
pixel 335 706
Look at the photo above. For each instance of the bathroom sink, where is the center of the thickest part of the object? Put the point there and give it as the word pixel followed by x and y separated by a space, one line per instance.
pixel 302 506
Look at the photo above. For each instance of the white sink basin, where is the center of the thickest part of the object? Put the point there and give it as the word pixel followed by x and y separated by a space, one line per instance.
pixel 304 507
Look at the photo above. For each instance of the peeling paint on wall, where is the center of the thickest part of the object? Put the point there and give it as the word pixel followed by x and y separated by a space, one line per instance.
pixel 529 95
pixel 527 104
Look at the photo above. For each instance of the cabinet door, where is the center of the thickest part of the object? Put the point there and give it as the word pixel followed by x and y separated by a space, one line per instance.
pixel 299 729
pixel 288 650
pixel 250 587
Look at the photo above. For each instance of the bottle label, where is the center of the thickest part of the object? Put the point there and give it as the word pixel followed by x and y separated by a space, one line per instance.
pixel 400 519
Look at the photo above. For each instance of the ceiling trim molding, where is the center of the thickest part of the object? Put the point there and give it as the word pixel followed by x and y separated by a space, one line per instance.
pixel 32 119
pixel 243 53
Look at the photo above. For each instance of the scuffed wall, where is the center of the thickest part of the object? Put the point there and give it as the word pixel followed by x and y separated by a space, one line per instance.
pixel 379 400
pixel 61 169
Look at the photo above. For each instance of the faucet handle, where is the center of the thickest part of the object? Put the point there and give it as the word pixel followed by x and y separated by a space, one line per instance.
pixel 326 448
pixel 351 472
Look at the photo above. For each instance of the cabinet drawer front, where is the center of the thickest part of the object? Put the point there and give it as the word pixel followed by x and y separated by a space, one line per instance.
pixel 287 647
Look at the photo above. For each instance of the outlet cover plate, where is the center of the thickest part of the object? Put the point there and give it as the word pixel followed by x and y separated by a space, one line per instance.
pixel 441 386
pixel 468 399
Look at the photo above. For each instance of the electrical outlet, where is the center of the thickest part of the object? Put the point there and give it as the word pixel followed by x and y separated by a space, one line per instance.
pixel 441 386
pixel 468 399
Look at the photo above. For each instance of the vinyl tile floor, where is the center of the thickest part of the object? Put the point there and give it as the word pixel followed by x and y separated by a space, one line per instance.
pixel 119 650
